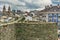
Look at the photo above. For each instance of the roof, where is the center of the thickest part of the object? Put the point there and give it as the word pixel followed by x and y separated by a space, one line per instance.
pixel 51 9
pixel 4 16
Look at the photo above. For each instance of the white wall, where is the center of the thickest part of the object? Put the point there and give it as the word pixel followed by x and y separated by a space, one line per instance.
pixel 28 18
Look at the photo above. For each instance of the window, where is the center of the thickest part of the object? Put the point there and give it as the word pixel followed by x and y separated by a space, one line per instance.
pixel 50 20
pixel 54 15
pixel 31 14
pixel 58 16
pixel 43 16
pixel 50 16
pixel 55 20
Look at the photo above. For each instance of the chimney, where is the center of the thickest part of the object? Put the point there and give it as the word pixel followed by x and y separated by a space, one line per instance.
pixel 58 5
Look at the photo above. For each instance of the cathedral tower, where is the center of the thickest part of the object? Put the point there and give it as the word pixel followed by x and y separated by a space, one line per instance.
pixel 9 9
pixel 4 9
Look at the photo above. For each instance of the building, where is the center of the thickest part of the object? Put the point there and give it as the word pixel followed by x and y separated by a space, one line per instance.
pixel 34 16
pixel 6 15
pixel 27 16
pixel 51 14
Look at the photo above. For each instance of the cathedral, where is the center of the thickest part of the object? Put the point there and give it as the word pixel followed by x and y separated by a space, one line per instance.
pixel 7 13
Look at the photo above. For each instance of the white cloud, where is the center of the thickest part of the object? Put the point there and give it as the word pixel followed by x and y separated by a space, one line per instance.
pixel 6 5
pixel 39 2
pixel 42 2
pixel 56 0
pixel 22 5
pixel 16 2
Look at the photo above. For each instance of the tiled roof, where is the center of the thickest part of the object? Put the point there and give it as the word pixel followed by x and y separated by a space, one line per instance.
pixel 51 9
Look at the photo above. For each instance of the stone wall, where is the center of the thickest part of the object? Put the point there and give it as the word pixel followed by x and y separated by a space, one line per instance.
pixel 29 31
pixel 7 32
pixel 44 31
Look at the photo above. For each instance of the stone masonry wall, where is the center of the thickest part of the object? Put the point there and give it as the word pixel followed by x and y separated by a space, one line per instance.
pixel 29 31
pixel 47 31
pixel 7 32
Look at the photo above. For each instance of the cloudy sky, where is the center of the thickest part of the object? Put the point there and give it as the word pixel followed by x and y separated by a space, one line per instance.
pixel 27 4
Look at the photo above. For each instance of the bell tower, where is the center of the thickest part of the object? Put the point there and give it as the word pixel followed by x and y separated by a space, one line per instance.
pixel 4 9
pixel 9 9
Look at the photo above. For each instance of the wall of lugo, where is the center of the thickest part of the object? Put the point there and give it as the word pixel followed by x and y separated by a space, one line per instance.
pixel 29 31
pixel 36 31
pixel 7 32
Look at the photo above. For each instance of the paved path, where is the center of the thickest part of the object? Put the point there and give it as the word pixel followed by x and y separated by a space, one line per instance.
pixel 11 22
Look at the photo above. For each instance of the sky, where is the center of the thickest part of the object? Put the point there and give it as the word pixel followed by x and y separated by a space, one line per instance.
pixel 27 5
